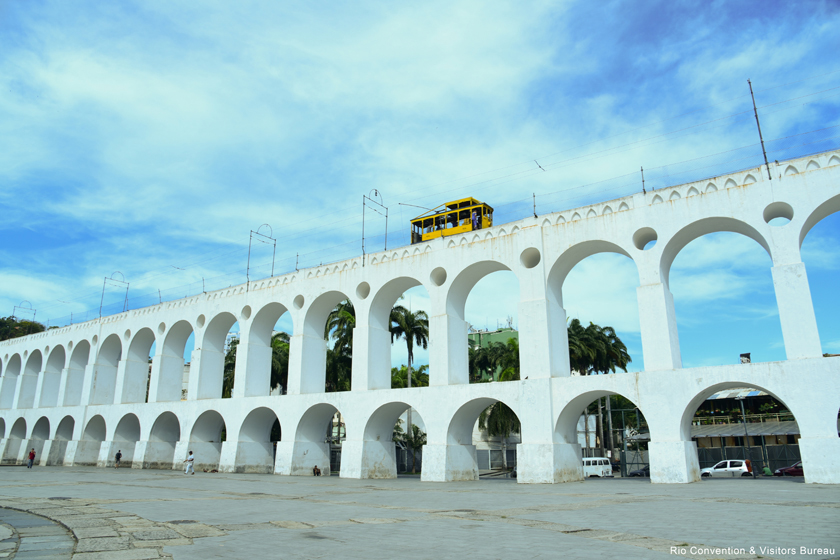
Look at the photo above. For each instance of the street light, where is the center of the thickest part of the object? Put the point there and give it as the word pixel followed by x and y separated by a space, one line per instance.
pixel 746 434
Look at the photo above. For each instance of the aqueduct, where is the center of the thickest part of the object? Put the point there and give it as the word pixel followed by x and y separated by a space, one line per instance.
pixel 78 393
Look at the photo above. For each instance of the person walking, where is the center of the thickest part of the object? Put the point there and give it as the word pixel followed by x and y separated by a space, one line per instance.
pixel 117 458
pixel 31 458
pixel 190 462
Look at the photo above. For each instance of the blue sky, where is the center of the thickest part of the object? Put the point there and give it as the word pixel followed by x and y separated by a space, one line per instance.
pixel 150 138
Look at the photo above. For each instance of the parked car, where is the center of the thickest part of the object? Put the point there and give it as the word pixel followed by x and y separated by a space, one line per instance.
pixel 793 470
pixel 641 472
pixel 597 467
pixel 728 468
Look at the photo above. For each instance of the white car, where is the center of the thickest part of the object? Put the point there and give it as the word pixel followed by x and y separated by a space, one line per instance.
pixel 728 468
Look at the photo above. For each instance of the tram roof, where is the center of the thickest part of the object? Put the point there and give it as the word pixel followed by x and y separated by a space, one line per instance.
pixel 453 205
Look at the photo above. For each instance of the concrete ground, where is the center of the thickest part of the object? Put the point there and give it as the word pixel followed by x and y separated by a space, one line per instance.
pixel 138 514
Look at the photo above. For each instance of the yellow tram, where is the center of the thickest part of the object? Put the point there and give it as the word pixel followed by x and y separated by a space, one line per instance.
pixel 452 218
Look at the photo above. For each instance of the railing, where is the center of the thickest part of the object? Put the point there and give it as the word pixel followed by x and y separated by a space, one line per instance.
pixel 736 418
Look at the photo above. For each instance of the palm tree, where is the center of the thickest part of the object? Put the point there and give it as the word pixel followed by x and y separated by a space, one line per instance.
pixel 415 439
pixel 339 327
pixel 229 369
pixel 595 350
pixel 280 360
pixel 413 326
pixel 419 377
pixel 340 324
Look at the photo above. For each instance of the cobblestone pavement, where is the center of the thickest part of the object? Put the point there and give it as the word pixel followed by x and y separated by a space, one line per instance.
pixel 140 514
pixel 27 536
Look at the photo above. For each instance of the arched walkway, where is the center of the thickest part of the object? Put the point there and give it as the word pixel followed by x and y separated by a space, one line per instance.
pixel 460 450
pixel 135 381
pixel 379 331
pixel 310 447
pixel 573 426
pixel 40 435
pixel 206 440
pixel 76 373
pixel 52 377
pixel 311 346
pixel 211 366
pixel 160 450
pixel 29 382
pixel 254 353
pixel 15 441
pixel 105 371
pixel 456 364
pixel 88 448
pixel 255 450
pixel 126 437
pixel 58 446
pixel 167 380
pixel 378 448
pixel 11 371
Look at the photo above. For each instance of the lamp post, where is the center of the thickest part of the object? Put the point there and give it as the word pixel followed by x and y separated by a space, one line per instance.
pixel 746 434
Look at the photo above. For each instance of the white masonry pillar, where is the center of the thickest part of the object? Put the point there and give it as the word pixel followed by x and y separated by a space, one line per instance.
pixel 796 311
pixel 658 322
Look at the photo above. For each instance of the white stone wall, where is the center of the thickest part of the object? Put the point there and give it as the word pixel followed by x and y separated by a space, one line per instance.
pixel 77 393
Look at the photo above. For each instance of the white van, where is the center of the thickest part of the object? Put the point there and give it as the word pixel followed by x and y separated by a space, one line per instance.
pixel 597 466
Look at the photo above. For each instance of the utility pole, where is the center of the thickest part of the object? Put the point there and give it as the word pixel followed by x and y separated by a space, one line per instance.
pixel 758 124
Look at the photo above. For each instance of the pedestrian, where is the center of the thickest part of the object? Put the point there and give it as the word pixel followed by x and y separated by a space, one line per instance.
pixel 190 463
pixel 316 471
pixel 31 458
pixel 117 458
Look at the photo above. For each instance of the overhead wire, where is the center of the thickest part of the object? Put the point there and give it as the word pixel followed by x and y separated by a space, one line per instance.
pixel 551 165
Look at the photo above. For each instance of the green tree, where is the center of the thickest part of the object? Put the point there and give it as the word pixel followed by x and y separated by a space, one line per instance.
pixel 414 440
pixel 339 328
pixel 280 360
pixel 419 377
pixel 229 369
pixel 12 327
pixel 413 327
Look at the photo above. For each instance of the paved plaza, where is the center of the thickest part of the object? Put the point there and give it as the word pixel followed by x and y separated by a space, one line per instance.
pixel 139 514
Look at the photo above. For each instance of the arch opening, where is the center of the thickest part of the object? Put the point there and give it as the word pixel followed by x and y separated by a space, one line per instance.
pixel 52 377
pixel 126 437
pixel 217 365
pixel 267 352
pixel 483 304
pixel 256 448
pixel 15 442
pixel 2 428
pixel 41 430
pixel 137 373
pixel 164 436
pixel 725 302
pixel 40 434
pixel 733 422
pixel 482 434
pixel 608 425
pixel 327 345
pixel 29 382
pixel 390 447
pixel 171 366
pixel 318 441
pixel 89 447
pixel 206 438
pixel 399 335
pixel 63 434
pixel 11 371
pixel 579 294
pixel 76 373
pixel 105 371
